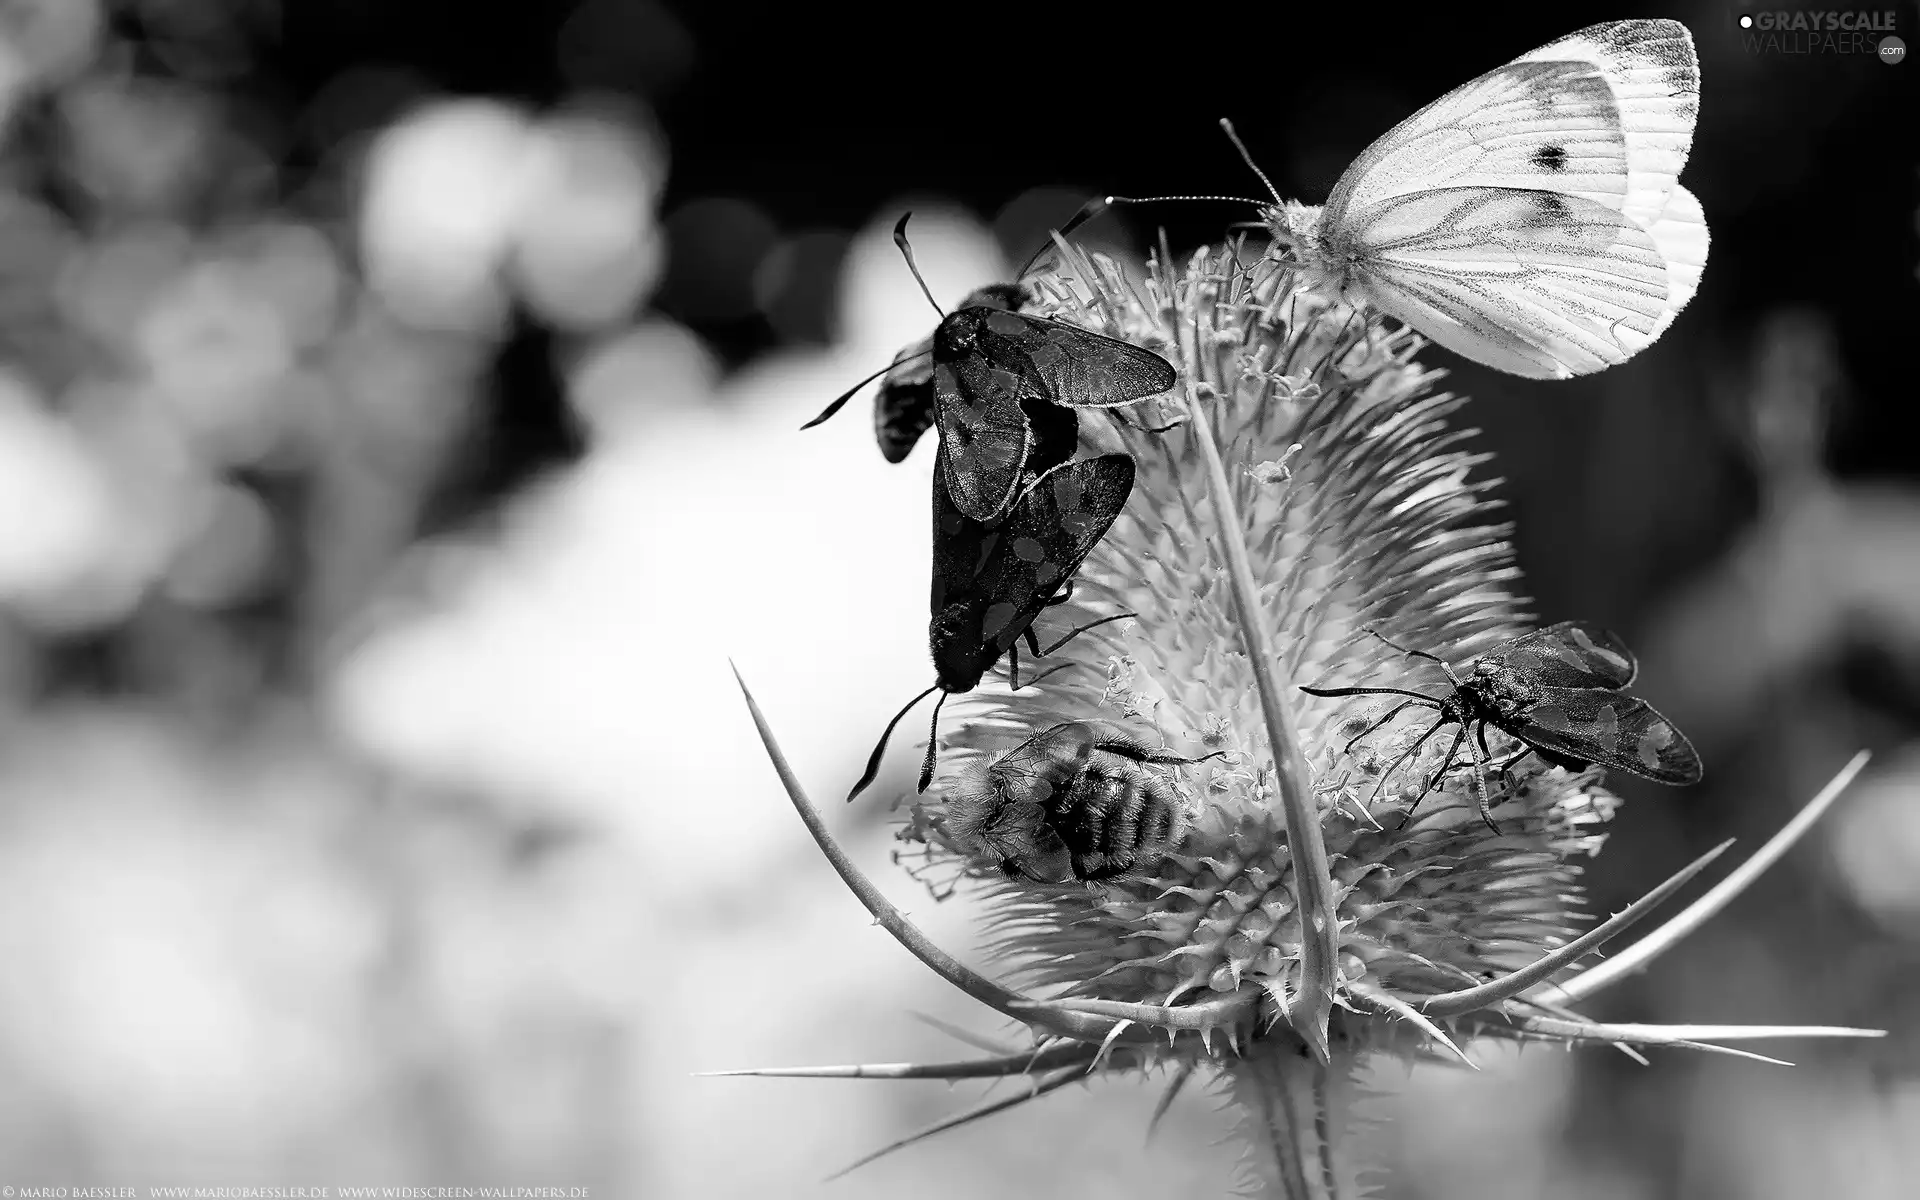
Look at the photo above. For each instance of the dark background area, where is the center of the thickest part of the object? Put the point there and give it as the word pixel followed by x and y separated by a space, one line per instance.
pixel 1738 500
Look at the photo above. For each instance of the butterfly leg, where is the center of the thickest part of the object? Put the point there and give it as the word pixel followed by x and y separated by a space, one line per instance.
pixel 1066 594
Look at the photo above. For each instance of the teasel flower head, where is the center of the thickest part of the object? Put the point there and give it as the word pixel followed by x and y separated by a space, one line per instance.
pixel 1304 497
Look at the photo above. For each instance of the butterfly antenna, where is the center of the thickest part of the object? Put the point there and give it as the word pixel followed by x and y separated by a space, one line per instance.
pixel 880 747
pixel 1248 159
pixel 900 240
pixel 847 395
pixel 1164 199
pixel 933 730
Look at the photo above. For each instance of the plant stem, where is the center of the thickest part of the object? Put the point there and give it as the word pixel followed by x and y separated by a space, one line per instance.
pixel 1312 1003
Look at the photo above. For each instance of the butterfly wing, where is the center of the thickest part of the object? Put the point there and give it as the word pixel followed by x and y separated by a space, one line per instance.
pixel 1654 75
pixel 1552 126
pixel 1571 654
pixel 1077 367
pixel 991 580
pixel 1611 729
pixel 1531 282
pixel 1680 235
pixel 1601 121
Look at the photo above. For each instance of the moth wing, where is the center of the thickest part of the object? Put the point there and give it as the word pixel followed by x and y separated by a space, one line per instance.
pixel 1654 75
pixel 1077 367
pixel 1045 537
pixel 903 406
pixel 1549 126
pixel 983 432
pixel 1571 654
pixel 1533 283
pixel 1611 729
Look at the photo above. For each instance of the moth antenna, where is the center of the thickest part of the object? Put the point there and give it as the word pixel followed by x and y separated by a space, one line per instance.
pixel 1403 649
pixel 1367 691
pixel 1088 212
pixel 880 747
pixel 1248 159
pixel 847 395
pixel 933 730
pixel 900 240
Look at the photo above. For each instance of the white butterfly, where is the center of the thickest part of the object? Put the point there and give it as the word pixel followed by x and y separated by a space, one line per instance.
pixel 1532 219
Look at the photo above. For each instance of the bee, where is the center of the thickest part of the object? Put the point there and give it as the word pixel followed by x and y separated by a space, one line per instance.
pixel 1077 802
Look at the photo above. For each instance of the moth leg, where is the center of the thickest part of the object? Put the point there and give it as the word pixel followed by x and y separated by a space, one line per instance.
pixel 1480 757
pixel 1393 712
pixel 1049 671
pixel 1147 428
pixel 1077 632
pixel 1404 755
pixel 1435 778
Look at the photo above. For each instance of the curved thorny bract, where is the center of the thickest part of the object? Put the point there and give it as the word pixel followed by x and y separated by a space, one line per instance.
pixel 1363 510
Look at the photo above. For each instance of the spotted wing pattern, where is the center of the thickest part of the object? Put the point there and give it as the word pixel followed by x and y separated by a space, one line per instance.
pixel 991 579
pixel 1572 654
pixel 903 406
pixel 1612 729
pixel 1073 366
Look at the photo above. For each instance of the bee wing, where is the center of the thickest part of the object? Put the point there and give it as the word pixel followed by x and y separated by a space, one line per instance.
pixel 1077 367
pixel 1614 730
pixel 1572 654
pixel 1533 283
pixel 1045 537
pixel 1061 750
pixel 903 406
pixel 1654 75
pixel 983 432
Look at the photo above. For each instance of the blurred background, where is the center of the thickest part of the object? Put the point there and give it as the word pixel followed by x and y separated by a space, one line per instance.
pixel 398 408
